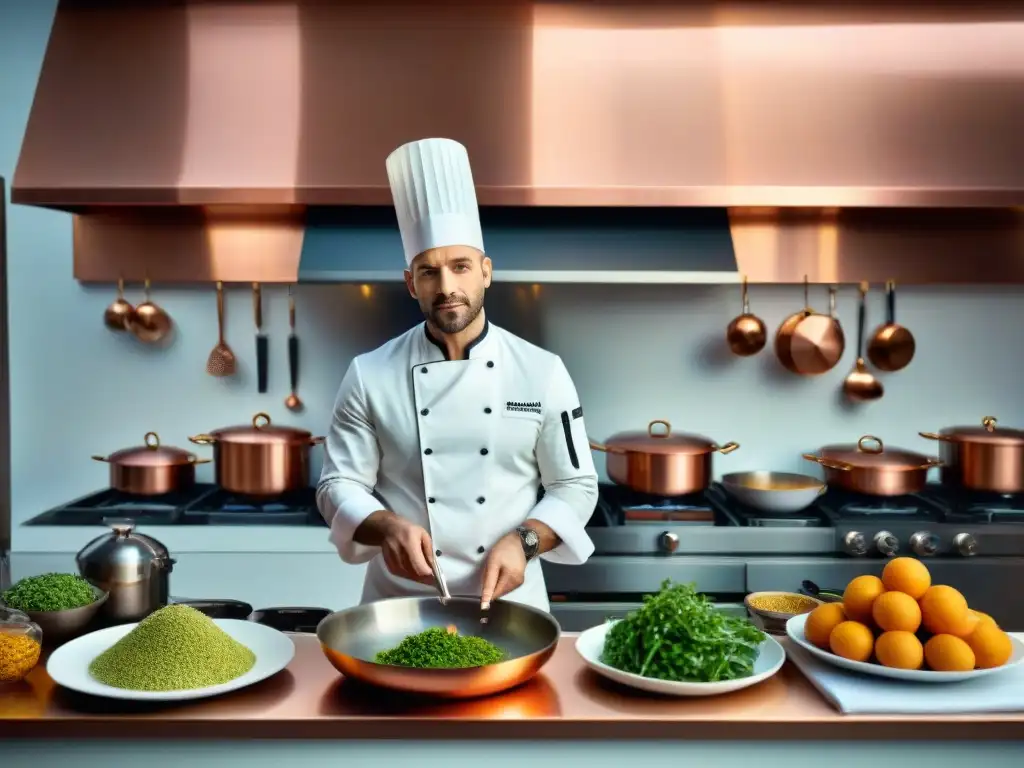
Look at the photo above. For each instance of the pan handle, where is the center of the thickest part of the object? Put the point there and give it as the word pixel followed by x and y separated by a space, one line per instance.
pixel 316 440
pixel 841 466
pixel 193 459
pixel 203 439
pixel 727 448
pixel 932 463
pixel 100 458
pixel 937 436
pixel 605 448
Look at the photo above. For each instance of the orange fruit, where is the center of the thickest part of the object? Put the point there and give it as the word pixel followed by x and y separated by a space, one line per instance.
pixel 896 612
pixel 907 575
pixel 821 621
pixel 984 617
pixel 944 612
pixel 859 596
pixel 852 640
pixel 991 646
pixel 946 653
pixel 900 650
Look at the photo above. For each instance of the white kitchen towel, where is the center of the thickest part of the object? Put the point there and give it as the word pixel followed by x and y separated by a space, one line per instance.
pixel 855 694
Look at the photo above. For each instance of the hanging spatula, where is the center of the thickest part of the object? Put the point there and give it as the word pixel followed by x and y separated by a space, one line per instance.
pixel 261 340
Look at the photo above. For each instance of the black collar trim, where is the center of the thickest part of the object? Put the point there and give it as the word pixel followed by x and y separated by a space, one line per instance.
pixel 469 347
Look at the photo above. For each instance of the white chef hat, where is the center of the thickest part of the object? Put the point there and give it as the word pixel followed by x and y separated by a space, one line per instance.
pixel 432 187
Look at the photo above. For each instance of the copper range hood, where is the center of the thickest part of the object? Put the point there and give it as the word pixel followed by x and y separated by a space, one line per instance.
pixel 713 104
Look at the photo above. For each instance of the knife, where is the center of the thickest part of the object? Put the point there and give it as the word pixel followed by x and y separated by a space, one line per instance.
pixel 261 340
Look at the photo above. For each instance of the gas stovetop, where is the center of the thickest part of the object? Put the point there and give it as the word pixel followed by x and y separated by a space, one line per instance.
pixel 204 504
pixel 935 522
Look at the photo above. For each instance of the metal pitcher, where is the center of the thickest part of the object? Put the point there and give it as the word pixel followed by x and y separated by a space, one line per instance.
pixel 134 568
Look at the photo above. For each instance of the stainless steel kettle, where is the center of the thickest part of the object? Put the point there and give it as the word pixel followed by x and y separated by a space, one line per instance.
pixel 134 568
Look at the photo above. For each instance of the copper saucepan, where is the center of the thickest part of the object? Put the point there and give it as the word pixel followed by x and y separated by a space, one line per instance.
pixel 808 342
pixel 982 458
pixel 661 463
pixel 152 469
pixel 260 460
pixel 868 467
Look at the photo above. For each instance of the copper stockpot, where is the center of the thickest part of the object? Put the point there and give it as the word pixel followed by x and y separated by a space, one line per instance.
pixel 152 469
pixel 867 467
pixel 661 463
pixel 260 460
pixel 982 458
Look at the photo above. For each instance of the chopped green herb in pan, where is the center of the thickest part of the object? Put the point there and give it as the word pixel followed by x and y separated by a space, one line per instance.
pixel 49 592
pixel 678 635
pixel 442 648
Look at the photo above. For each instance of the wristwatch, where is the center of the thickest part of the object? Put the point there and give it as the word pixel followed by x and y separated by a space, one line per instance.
pixel 530 540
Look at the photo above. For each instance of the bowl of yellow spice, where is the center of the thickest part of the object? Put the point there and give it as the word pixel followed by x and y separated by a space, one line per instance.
pixel 21 641
pixel 769 611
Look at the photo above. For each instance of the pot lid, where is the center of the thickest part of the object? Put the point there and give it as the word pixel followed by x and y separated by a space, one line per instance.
pixel 122 556
pixel 151 454
pixel 261 431
pixel 659 438
pixel 986 432
pixel 870 452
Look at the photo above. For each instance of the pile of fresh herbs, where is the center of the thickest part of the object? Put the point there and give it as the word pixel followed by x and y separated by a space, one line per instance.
pixel 440 648
pixel 49 592
pixel 678 635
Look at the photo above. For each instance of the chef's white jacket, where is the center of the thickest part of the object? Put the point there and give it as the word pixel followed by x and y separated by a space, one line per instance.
pixel 461 448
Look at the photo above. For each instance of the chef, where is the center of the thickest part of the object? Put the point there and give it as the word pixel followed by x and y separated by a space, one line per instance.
pixel 442 438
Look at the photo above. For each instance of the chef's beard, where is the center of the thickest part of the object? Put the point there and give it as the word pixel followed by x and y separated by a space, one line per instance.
pixel 450 321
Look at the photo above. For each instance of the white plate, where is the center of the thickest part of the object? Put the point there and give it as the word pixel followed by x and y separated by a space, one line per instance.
pixel 590 646
pixel 795 632
pixel 69 664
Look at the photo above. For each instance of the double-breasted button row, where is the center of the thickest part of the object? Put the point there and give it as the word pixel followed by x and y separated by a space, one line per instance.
pixel 426 411
pixel 429 451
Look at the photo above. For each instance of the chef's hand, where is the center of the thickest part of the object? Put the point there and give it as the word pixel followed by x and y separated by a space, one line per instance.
pixel 504 570
pixel 408 551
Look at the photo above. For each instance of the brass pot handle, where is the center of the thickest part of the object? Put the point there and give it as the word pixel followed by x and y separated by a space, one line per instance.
pixel 989 423
pixel 193 459
pixel 932 463
pixel 260 420
pixel 727 448
pixel 842 466
pixel 100 458
pixel 152 440
pixel 863 445
pixel 203 439
pixel 662 422
pixel 606 448
pixel 316 440
pixel 937 436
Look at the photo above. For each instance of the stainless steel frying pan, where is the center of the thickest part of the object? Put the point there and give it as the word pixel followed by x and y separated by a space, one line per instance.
pixel 352 638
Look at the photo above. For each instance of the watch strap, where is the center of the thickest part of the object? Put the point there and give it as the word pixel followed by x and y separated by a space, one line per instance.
pixel 530 541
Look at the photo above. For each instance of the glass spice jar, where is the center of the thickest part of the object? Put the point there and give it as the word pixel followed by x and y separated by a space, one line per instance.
pixel 21 641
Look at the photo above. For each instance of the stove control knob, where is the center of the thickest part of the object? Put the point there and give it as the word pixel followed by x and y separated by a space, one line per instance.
pixel 854 543
pixel 886 543
pixel 924 544
pixel 966 544
pixel 669 541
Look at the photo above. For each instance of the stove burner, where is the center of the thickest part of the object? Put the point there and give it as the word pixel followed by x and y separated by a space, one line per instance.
pixel 618 505
pixel 204 504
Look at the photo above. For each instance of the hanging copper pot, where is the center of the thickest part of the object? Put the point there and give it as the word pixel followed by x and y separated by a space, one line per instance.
pixel 262 459
pixel 661 463
pixel 810 343
pixel 983 458
pixel 152 469
pixel 869 467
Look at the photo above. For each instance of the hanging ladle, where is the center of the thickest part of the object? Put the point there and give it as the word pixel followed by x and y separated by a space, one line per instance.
pixel 746 333
pixel 860 384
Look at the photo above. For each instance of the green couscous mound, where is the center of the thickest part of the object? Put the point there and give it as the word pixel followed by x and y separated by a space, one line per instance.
pixel 174 649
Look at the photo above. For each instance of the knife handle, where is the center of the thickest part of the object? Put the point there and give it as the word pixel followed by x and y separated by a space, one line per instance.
pixel 261 364
pixel 293 360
